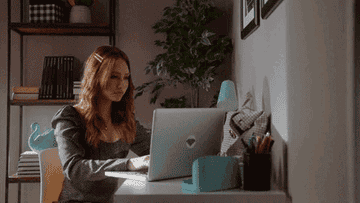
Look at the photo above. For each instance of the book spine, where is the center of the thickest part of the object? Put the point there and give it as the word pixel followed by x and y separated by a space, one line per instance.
pixel 63 79
pixel 30 176
pixel 71 76
pixel 66 68
pixel 25 90
pixel 59 74
pixel 42 86
pixel 53 82
pixel 25 96
pixel 48 78
pixel 56 82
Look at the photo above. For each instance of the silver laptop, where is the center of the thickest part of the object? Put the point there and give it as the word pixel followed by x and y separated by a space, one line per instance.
pixel 178 138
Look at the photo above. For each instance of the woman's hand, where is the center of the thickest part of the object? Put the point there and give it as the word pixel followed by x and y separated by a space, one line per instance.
pixel 139 163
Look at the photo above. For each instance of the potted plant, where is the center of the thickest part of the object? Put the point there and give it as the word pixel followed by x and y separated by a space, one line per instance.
pixel 193 50
pixel 80 11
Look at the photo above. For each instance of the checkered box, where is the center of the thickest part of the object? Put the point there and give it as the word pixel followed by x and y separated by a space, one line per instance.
pixel 46 13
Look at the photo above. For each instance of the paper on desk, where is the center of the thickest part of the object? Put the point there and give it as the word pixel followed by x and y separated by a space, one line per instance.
pixel 228 139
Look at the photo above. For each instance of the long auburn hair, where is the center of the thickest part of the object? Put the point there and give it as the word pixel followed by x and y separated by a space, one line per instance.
pixel 97 71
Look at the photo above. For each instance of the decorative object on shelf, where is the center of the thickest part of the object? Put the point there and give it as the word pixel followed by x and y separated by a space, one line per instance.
pixel 268 6
pixel 250 17
pixel 42 11
pixel 39 141
pixel 193 51
pixel 227 97
pixel 80 11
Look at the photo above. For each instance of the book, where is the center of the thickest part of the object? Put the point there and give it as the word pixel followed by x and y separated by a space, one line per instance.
pixel 57 80
pixel 33 164
pixel 54 78
pixel 25 90
pixel 23 169
pixel 27 160
pixel 16 96
pixel 29 154
pixel 42 89
pixel 37 173
pixel 66 70
pixel 58 85
pixel 48 78
pixel 71 77
pixel 30 176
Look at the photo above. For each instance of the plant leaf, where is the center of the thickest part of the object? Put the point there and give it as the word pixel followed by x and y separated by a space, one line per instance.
pixel 206 41
pixel 192 70
pixel 139 94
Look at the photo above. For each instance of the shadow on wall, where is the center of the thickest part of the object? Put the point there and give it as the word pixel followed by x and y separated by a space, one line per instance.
pixel 279 168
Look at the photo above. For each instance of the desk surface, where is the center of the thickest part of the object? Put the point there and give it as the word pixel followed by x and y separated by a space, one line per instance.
pixel 170 191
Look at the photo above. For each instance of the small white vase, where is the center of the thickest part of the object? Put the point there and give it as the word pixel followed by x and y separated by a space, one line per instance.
pixel 80 14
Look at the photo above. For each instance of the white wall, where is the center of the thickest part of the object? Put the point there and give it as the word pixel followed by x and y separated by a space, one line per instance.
pixel 357 98
pixel 298 64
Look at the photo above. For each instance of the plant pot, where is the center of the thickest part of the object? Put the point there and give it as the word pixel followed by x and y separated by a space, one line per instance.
pixel 80 14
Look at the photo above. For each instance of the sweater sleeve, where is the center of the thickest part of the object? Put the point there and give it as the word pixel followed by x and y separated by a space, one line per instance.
pixel 141 145
pixel 70 136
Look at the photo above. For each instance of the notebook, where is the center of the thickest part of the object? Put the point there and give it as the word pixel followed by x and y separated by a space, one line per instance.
pixel 179 136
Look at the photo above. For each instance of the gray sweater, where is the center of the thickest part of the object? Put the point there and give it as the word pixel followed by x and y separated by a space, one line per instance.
pixel 83 165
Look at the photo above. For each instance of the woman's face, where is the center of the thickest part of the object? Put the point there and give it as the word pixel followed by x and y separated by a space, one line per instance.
pixel 118 81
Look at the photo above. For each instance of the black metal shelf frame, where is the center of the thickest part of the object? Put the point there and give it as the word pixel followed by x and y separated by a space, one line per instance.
pixel 26 29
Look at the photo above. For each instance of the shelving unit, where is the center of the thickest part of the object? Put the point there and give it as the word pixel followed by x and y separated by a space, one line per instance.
pixel 27 29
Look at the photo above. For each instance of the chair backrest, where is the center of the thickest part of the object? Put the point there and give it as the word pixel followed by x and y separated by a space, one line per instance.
pixel 51 175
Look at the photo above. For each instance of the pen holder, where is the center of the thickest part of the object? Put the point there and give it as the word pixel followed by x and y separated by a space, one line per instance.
pixel 257 172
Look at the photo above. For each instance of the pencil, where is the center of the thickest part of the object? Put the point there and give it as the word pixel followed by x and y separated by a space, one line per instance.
pixel 263 145
pixel 259 140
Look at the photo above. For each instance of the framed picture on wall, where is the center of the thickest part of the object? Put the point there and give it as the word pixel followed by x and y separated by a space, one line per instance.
pixel 250 17
pixel 268 6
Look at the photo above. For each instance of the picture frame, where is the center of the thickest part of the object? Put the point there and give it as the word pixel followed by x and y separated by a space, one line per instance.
pixel 250 17
pixel 268 7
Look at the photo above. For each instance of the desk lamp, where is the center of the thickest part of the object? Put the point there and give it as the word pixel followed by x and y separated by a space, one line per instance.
pixel 227 96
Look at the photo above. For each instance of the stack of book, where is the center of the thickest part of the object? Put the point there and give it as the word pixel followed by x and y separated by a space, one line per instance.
pixel 25 93
pixel 76 89
pixel 28 165
pixel 57 77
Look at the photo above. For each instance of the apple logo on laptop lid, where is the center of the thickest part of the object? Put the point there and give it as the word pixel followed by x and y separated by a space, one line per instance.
pixel 191 141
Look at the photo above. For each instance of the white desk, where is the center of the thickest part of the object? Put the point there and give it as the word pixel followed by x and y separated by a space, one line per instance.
pixel 170 191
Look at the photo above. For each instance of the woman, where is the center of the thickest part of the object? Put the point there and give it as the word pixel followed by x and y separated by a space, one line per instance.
pixel 96 134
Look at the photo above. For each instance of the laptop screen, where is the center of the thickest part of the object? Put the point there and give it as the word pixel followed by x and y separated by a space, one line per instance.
pixel 180 136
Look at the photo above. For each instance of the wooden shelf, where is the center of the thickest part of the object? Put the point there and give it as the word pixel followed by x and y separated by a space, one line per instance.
pixel 83 29
pixel 16 179
pixel 43 102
